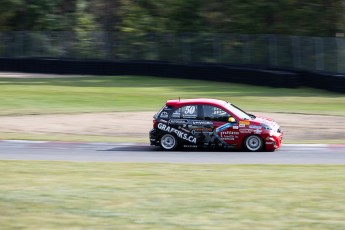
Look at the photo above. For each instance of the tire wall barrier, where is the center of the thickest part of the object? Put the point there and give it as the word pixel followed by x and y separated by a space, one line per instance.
pixel 254 75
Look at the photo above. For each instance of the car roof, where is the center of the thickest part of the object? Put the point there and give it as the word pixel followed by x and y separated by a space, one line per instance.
pixel 199 101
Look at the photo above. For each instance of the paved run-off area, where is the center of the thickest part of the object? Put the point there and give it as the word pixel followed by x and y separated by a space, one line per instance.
pixel 143 153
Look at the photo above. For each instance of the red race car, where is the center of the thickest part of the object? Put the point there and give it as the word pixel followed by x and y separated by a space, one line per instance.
pixel 193 123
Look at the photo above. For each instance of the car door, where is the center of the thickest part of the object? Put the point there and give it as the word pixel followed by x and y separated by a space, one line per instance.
pixel 181 122
pixel 225 127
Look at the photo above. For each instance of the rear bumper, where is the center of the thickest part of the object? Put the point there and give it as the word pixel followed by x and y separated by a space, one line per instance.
pixel 153 137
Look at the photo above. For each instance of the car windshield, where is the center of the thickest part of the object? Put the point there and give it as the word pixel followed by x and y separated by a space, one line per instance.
pixel 238 112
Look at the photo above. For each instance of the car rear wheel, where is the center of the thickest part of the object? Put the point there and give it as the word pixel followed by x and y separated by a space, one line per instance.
pixel 168 142
pixel 253 143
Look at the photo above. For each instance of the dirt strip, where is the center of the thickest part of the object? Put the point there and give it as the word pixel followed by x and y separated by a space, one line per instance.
pixel 137 124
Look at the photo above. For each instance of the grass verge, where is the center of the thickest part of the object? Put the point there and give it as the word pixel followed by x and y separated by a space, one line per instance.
pixel 132 93
pixel 66 195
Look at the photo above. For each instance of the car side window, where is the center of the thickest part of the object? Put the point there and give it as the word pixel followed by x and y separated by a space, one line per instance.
pixel 189 112
pixel 212 113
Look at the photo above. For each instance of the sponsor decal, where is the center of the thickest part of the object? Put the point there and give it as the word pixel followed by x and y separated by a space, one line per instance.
pixel 202 130
pixel 163 121
pixel 255 127
pixel 246 130
pixel 228 138
pixel 235 127
pixel 223 127
pixel 179 133
pixel 178 121
pixel 190 146
pixel 177 113
pixel 228 133
pixel 186 130
pixel 257 131
pixel 269 143
pixel 164 115
pixel 244 123
pixel 194 127
pixel 202 123
pixel 207 130
pixel 189 116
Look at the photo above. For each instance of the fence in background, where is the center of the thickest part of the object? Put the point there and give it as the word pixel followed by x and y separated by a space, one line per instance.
pixel 307 53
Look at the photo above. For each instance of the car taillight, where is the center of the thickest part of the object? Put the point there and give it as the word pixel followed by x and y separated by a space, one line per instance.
pixel 155 122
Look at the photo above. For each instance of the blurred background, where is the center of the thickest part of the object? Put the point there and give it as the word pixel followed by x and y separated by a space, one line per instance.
pixel 136 45
pixel 288 33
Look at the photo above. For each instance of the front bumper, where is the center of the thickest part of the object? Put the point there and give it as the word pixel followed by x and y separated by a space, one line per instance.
pixel 274 141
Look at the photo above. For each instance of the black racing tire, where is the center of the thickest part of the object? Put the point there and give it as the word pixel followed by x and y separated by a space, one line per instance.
pixel 253 143
pixel 168 142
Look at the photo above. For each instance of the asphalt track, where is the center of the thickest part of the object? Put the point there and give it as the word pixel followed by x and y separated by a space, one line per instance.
pixel 130 152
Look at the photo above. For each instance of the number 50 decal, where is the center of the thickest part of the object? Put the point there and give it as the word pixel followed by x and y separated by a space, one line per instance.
pixel 189 110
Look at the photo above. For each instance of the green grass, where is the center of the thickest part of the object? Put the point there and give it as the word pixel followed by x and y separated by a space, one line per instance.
pixel 133 93
pixel 61 195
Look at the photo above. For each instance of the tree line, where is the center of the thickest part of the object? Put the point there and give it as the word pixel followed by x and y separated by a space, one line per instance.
pixel 289 17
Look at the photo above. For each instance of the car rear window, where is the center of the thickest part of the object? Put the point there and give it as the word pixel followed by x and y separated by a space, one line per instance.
pixel 164 112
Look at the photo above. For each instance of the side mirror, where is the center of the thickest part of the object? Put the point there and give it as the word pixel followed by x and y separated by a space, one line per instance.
pixel 231 120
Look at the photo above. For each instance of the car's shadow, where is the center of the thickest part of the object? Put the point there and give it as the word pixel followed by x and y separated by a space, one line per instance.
pixel 148 148
pixel 139 148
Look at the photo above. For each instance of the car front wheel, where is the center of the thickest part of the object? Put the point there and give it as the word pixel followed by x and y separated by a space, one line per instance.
pixel 253 143
pixel 168 142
